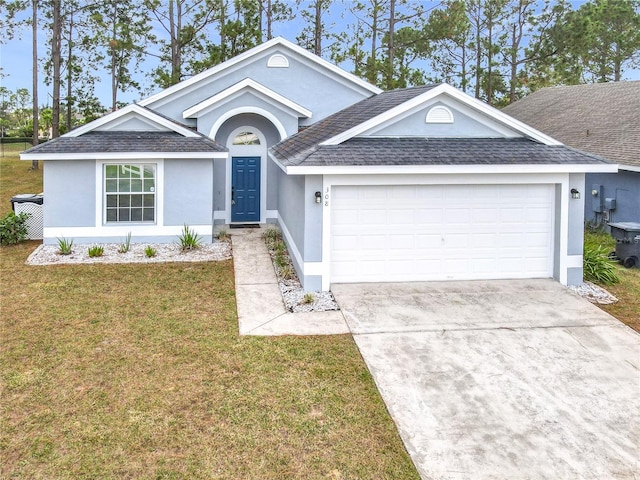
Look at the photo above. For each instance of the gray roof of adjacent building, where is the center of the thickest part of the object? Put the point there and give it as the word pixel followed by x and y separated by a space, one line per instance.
pixel 599 118
pixel 128 141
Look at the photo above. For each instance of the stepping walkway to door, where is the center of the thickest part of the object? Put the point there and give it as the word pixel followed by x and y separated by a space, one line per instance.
pixel 261 310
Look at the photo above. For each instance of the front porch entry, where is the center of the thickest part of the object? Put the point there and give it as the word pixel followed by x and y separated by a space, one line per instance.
pixel 245 189
pixel 247 174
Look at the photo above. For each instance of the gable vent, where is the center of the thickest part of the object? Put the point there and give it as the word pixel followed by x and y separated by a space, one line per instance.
pixel 439 114
pixel 277 61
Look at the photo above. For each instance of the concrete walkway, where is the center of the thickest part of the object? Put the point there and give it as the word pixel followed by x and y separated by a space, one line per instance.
pixel 261 310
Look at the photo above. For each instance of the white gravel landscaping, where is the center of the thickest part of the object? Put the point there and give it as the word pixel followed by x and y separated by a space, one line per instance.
pixel 293 295
pixel 593 293
pixel 165 252
pixel 296 298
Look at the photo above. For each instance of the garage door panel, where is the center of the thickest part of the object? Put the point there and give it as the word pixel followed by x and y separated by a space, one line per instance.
pixel 429 216
pixel 484 240
pixel 402 217
pixel 484 215
pixel 428 241
pixel 457 215
pixel 537 239
pixel 538 215
pixel 372 217
pixel 410 233
pixel 343 216
pixel 402 242
pixel 374 242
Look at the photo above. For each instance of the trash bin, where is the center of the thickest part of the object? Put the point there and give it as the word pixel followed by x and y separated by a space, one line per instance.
pixel 627 235
pixel 32 204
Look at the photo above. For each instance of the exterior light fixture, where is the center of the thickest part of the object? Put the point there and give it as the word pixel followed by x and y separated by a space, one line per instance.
pixel 575 194
pixel 318 197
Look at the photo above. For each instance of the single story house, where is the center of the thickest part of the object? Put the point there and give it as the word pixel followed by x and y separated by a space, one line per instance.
pixel 423 183
pixel 599 118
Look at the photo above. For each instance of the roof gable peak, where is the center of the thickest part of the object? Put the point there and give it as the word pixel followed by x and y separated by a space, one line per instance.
pixel 253 52
pixel 246 85
pixel 133 110
pixel 440 90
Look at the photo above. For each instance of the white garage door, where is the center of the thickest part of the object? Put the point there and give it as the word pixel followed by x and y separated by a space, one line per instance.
pixel 441 232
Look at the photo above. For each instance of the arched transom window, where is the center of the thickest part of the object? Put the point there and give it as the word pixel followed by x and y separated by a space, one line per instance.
pixel 246 138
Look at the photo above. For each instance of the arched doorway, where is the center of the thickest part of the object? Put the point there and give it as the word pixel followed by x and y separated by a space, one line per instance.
pixel 248 135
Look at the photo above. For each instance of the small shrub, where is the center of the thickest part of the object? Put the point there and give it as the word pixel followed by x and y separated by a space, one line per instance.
pixel 189 239
pixel 281 261
pixel 96 251
pixel 126 246
pixel 65 246
pixel 222 235
pixel 287 272
pixel 598 266
pixel 150 251
pixel 13 228
pixel 280 247
pixel 271 235
pixel 308 298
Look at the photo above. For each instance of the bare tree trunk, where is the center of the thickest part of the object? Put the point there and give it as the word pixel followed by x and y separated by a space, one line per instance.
pixel 174 25
pixel 55 57
pixel 391 47
pixel 269 15
pixel 371 63
pixel 490 61
pixel 34 31
pixel 223 36
pixel 463 71
pixel 317 45
pixel 69 72
pixel 478 56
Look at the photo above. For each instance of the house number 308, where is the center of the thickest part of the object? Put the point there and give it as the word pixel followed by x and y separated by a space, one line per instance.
pixel 326 197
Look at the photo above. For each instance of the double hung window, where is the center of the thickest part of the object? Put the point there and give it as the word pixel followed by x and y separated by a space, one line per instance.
pixel 130 193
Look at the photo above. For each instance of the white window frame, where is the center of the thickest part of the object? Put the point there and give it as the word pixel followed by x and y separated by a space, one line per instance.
pixel 101 196
pixel 105 194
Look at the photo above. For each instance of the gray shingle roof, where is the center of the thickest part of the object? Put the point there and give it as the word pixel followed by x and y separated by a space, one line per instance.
pixel 122 142
pixel 600 118
pixel 444 151
pixel 300 145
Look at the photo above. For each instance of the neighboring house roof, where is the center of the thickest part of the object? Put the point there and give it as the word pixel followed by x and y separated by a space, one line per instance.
pixel 333 142
pixel 600 118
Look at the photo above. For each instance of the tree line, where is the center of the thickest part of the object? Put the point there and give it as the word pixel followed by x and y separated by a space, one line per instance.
pixel 496 50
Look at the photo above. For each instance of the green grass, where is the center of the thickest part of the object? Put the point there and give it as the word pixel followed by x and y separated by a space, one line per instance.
pixel 627 309
pixel 137 371
pixel 15 176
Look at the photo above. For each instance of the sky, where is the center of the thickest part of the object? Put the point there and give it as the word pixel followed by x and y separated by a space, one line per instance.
pixel 15 58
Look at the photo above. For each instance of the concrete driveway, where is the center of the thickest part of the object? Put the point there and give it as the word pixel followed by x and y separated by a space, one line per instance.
pixel 501 379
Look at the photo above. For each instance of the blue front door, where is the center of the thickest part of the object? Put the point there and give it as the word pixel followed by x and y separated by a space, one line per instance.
pixel 245 189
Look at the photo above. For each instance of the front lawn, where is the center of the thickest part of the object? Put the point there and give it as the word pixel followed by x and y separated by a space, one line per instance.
pixel 627 309
pixel 137 371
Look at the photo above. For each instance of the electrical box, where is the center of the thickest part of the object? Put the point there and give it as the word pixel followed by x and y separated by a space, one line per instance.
pixel 610 203
pixel 597 198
